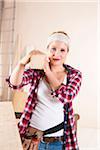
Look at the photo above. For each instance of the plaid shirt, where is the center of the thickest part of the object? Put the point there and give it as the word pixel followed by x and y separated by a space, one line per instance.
pixel 65 94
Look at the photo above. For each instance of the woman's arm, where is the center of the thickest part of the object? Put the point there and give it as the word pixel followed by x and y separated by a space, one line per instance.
pixel 17 74
pixel 65 93
pixel 20 76
pixel 53 81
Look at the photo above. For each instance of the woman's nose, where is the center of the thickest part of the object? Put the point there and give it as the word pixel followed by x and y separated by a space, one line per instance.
pixel 57 53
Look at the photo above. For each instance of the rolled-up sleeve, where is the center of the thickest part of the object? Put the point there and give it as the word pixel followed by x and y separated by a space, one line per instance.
pixel 66 93
pixel 27 78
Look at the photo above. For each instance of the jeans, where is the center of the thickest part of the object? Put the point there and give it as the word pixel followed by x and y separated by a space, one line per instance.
pixel 50 146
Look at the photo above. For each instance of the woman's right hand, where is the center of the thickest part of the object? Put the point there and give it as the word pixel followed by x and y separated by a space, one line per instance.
pixel 26 59
pixel 17 74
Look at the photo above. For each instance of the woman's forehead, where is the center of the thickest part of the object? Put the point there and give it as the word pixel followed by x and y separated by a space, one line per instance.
pixel 59 44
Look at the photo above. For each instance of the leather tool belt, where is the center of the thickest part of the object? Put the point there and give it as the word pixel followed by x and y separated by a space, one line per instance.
pixel 33 137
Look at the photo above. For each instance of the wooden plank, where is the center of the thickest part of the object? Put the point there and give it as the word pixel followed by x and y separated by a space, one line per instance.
pixel 9 134
pixel 19 100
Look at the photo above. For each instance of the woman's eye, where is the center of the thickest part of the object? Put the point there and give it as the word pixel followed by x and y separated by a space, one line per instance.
pixel 62 50
pixel 54 49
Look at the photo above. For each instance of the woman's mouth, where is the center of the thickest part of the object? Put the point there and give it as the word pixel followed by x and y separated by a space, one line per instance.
pixel 56 59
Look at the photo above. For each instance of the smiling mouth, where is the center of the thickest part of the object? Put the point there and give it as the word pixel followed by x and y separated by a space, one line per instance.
pixel 56 59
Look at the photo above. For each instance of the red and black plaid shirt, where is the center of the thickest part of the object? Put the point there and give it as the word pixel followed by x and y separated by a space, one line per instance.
pixel 65 94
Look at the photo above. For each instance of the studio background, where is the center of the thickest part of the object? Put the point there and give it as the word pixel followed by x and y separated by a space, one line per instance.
pixel 35 21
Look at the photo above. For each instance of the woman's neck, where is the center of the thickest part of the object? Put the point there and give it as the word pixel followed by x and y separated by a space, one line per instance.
pixel 57 69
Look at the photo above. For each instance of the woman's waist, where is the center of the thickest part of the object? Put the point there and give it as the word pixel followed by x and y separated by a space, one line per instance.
pixel 45 122
pixel 33 133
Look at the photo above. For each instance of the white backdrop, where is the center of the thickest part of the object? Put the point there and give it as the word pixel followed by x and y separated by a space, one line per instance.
pixel 36 20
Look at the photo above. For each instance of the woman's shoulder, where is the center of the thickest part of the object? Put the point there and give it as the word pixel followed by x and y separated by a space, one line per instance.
pixel 71 69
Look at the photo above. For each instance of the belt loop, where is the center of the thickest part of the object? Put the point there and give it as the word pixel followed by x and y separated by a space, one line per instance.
pixel 60 139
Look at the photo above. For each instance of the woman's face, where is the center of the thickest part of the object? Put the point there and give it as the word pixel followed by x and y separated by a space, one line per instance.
pixel 58 51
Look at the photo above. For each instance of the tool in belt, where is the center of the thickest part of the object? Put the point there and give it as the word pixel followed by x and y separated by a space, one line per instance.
pixel 35 138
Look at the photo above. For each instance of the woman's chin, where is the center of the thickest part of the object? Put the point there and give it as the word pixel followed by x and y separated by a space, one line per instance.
pixel 56 63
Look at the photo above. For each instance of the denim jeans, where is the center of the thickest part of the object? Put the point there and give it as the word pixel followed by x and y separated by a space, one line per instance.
pixel 50 146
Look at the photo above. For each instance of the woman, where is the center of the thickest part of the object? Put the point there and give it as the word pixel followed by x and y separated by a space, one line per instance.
pixel 50 96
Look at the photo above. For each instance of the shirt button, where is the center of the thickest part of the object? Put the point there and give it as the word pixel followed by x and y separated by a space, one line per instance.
pixel 65 122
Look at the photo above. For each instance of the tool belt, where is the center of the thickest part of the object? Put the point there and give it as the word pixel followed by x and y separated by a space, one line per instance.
pixel 33 137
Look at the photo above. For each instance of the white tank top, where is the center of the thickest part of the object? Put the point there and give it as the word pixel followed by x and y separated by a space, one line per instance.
pixel 49 111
